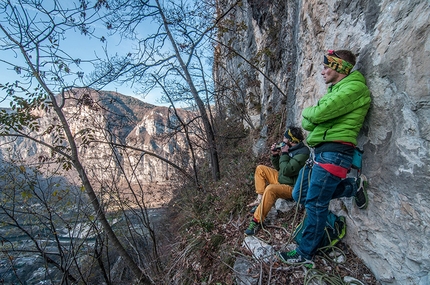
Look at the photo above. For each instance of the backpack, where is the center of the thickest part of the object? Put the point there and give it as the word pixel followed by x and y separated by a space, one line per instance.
pixel 334 231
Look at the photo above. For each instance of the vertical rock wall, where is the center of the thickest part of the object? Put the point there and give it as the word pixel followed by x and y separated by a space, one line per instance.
pixel 392 39
pixel 257 72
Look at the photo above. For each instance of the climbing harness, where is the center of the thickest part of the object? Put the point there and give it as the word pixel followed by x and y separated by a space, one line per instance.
pixel 337 170
pixel 333 169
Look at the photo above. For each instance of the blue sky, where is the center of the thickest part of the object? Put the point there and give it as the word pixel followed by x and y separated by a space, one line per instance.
pixel 78 46
pixel 83 48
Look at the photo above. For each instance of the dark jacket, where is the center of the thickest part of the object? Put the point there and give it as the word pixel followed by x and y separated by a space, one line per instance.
pixel 289 164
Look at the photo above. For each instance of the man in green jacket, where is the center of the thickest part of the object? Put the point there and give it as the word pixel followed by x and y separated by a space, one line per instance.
pixel 333 125
pixel 278 182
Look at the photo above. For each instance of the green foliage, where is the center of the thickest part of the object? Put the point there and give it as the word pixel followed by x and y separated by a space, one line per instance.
pixel 261 54
pixel 24 120
pixel 86 135
pixel 23 109
pixel 227 25
pixel 216 241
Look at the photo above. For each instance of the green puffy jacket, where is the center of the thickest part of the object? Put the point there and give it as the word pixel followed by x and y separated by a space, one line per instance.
pixel 340 113
pixel 289 164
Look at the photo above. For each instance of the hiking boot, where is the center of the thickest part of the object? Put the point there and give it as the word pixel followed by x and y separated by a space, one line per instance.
pixel 252 211
pixel 294 258
pixel 361 199
pixel 253 228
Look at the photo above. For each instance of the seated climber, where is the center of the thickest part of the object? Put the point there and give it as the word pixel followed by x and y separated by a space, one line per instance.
pixel 287 158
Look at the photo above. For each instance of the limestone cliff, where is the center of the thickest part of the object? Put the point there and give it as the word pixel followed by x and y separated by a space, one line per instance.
pixel 112 120
pixel 270 61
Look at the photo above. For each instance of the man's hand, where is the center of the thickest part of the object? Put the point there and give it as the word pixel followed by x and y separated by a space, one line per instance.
pixel 285 148
pixel 274 150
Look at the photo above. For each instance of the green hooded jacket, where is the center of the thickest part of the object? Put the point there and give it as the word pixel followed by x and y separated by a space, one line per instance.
pixel 289 164
pixel 340 113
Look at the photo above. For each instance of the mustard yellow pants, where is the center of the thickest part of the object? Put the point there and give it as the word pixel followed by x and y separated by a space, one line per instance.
pixel 266 184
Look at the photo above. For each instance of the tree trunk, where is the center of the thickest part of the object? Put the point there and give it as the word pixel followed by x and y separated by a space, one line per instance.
pixel 210 134
pixel 139 274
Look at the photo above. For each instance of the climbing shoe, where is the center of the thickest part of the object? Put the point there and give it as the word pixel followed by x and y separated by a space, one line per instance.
pixel 294 258
pixel 253 228
pixel 361 197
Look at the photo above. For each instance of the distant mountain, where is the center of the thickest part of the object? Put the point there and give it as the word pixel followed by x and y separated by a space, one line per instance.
pixel 112 117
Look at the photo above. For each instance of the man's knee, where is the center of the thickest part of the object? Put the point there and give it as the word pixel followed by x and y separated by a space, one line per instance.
pixel 260 168
pixel 270 189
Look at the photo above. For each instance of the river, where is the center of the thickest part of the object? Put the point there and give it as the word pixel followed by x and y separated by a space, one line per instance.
pixel 24 265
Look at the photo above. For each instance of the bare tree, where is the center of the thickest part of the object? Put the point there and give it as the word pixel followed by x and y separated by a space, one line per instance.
pixel 174 56
pixel 43 215
pixel 34 32
pixel 175 53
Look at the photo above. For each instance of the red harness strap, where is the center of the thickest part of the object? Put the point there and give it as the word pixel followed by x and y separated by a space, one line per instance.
pixel 334 169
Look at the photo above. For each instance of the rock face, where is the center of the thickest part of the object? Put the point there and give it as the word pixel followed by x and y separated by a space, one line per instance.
pixel 114 120
pixel 286 40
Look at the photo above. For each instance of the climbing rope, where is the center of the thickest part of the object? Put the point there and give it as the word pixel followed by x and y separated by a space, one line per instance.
pixel 298 202
pixel 313 275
